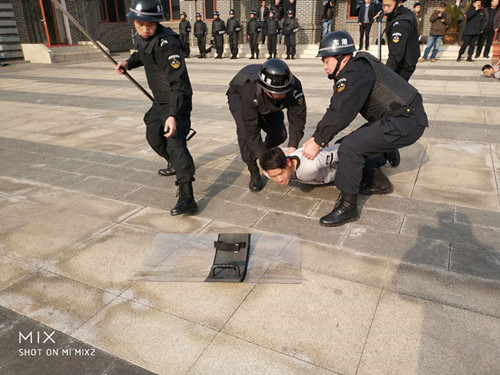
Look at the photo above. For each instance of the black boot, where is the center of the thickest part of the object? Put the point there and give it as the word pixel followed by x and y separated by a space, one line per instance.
pixel 169 171
pixel 274 55
pixel 186 203
pixel 393 157
pixel 344 211
pixel 251 57
pixel 257 55
pixel 256 183
pixel 375 182
pixel 469 58
pixel 287 57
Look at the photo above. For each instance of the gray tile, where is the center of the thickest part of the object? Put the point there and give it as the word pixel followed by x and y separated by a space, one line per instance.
pixel 152 197
pixel 8 318
pixel 483 263
pixel 106 187
pixel 125 368
pixel 279 202
pixel 218 209
pixel 68 165
pixel 106 171
pixel 472 216
pixel 145 165
pixel 152 178
pixel 56 178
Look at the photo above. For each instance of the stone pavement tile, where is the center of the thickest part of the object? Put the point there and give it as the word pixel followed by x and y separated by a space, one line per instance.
pixel 460 113
pixel 302 227
pixel 479 262
pixel 147 337
pixel 229 355
pixel 221 227
pixel 207 304
pixel 104 208
pixel 457 177
pixel 106 171
pixel 106 158
pixel 109 148
pixel 39 237
pixel 279 202
pixel 108 261
pixel 8 318
pixel 163 199
pixel 491 116
pixel 459 154
pixel 472 216
pixel 411 336
pixel 217 209
pixel 221 191
pixel 455 233
pixel 344 264
pixel 54 197
pixel 402 189
pixel 68 165
pixel 156 220
pixel 54 300
pixel 10 186
pixel 308 321
pixel 125 368
pixel 55 178
pixel 470 198
pixel 151 178
pixel 327 193
pixel 445 287
pixel 385 221
pixel 12 271
pixel 410 206
pixel 145 165
pixel 106 187
pixel 410 249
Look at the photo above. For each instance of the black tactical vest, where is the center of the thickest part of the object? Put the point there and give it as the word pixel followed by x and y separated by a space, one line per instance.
pixel 390 92
pixel 253 24
pixel 412 52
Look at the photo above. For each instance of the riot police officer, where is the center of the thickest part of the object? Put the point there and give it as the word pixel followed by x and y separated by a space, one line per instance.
pixel 218 31
pixel 257 96
pixel 200 32
pixel 233 30
pixel 402 36
pixel 168 122
pixel 271 29
pixel 392 107
pixel 253 29
pixel 290 29
pixel 184 30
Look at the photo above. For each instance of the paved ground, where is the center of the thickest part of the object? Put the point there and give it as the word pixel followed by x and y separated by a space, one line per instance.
pixel 413 287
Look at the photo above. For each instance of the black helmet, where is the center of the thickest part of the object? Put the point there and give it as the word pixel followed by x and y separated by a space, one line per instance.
pixel 216 13
pixel 231 12
pixel 289 11
pixel 275 77
pixel 336 43
pixel 145 10
pixel 253 12
pixel 184 14
pixel 198 15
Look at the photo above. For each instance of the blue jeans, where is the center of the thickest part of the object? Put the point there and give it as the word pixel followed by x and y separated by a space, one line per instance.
pixel 434 40
pixel 327 27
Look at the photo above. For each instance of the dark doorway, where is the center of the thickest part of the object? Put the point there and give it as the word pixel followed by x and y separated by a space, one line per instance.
pixel 44 22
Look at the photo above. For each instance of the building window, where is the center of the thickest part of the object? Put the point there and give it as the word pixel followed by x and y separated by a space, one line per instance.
pixel 171 9
pixel 113 11
pixel 210 8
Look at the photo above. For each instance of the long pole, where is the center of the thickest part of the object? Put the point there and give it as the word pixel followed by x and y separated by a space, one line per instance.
pixel 379 25
pixel 108 56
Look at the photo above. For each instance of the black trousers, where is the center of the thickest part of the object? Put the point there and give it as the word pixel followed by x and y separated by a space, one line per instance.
pixel 486 36
pixel 219 44
pixel 468 41
pixel 201 45
pixel 272 39
pixel 185 44
pixel 290 43
pixel 233 43
pixel 273 125
pixel 364 31
pixel 173 149
pixel 373 139
pixel 405 72
pixel 254 43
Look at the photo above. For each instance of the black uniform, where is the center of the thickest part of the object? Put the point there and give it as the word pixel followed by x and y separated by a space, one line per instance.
pixel 473 27
pixel 253 110
pixel 272 29
pixel 253 29
pixel 184 30
pixel 233 30
pixel 392 107
pixel 218 31
pixel 200 32
pixel 402 36
pixel 290 28
pixel 168 78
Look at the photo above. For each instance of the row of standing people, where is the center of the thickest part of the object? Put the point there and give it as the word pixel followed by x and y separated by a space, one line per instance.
pixel 272 31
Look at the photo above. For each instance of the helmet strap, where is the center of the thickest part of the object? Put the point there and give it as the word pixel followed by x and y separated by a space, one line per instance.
pixel 339 59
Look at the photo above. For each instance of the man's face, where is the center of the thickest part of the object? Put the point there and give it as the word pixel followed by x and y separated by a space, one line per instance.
pixel 231 16
pixel 198 18
pixel 271 15
pixel 489 72
pixel 291 1
pixel 275 96
pixel 281 176
pixel 329 64
pixel 263 3
pixel 494 3
pixel 368 2
pixel 277 2
pixel 441 9
pixel 182 17
pixel 145 29
pixel 215 16
pixel 252 15
pixel 389 6
pixel 417 8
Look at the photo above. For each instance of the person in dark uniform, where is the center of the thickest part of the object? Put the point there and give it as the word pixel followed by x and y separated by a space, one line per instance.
pixel 290 29
pixel 492 25
pixel 184 30
pixel 402 36
pixel 257 96
pixel 168 122
pixel 365 21
pixel 253 29
pixel 279 14
pixel 218 31
pixel 200 32
pixel 233 30
pixel 392 107
pixel 473 27
pixel 271 29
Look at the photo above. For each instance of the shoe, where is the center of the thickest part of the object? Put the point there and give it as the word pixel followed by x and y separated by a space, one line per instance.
pixel 169 171
pixel 367 48
pixel 459 58
pixel 186 203
pixel 293 57
pixel 287 57
pixel 476 57
pixel 393 157
pixel 486 56
pixel 200 56
pixel 344 211
pixel 469 59
pixel 375 182
pixel 422 59
pixel 251 57
pixel 360 48
pixel 270 57
pixel 257 56
pixel 255 185
pixel 433 60
pixel 274 55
